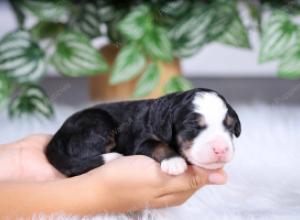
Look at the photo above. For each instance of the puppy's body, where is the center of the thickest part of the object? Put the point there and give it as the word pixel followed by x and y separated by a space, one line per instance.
pixel 164 129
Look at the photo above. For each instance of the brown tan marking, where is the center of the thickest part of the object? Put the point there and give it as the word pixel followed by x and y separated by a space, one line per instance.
pixel 111 143
pixel 162 151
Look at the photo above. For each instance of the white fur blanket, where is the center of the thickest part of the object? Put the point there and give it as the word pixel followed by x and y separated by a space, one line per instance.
pixel 264 177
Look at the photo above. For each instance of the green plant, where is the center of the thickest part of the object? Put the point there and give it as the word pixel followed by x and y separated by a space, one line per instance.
pixel 146 31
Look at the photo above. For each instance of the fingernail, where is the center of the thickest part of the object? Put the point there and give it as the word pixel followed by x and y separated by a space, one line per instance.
pixel 216 178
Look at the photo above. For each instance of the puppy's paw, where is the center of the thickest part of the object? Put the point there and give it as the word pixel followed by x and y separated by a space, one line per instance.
pixel 110 156
pixel 174 165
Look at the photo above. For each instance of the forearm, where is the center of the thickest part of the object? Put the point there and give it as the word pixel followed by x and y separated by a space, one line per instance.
pixel 70 196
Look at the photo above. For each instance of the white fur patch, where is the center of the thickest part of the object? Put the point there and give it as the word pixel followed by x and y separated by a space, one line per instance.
pixel 111 156
pixel 174 165
pixel 211 106
pixel 213 109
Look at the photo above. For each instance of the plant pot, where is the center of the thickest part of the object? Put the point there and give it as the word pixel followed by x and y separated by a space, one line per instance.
pixel 100 89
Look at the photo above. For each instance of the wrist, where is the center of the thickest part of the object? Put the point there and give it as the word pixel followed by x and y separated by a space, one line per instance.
pixel 95 192
pixel 102 195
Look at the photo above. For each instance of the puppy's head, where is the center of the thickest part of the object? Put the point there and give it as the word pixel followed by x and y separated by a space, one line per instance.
pixel 206 129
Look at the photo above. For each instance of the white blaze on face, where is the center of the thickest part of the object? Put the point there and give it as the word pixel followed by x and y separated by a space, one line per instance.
pixel 213 147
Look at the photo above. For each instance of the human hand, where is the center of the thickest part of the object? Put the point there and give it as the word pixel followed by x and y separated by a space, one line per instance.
pixel 127 184
pixel 25 160
pixel 134 183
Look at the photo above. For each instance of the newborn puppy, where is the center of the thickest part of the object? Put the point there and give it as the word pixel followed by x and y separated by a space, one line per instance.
pixel 192 127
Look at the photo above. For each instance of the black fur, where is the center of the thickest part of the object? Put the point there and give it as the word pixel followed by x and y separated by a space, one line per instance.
pixel 133 127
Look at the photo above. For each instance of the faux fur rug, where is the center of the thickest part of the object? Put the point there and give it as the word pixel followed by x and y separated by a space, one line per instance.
pixel 264 177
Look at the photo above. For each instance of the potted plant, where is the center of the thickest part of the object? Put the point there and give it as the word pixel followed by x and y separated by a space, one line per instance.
pixel 147 39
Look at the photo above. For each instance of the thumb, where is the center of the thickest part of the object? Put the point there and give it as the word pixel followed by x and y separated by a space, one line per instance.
pixel 214 177
pixel 217 178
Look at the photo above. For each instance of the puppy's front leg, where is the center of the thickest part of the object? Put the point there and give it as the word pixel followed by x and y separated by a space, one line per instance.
pixel 170 161
pixel 174 165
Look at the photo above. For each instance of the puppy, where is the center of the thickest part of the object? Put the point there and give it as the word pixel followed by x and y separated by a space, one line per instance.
pixel 192 127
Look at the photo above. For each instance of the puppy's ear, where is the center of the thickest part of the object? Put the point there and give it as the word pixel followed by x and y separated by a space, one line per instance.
pixel 232 121
pixel 237 127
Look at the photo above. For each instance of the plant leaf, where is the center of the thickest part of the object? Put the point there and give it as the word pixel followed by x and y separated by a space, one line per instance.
pixel 113 33
pixel 157 44
pixel 135 25
pixel 5 89
pixel 177 84
pixel 74 56
pixel 174 8
pixel 129 63
pixel 289 66
pixel 87 21
pixel 279 35
pixel 223 15
pixel 19 14
pixel 189 34
pixel 21 58
pixel 32 99
pixel 46 29
pixel 204 23
pixel 106 10
pixel 236 35
pixel 46 10
pixel 148 81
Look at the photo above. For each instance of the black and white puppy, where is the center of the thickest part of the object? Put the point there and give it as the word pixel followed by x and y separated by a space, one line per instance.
pixel 192 127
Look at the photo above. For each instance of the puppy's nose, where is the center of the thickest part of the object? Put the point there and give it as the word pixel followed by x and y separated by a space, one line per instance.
pixel 219 147
pixel 220 150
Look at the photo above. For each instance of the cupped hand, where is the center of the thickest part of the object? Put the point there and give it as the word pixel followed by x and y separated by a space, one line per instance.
pixel 24 160
pixel 129 183
pixel 135 182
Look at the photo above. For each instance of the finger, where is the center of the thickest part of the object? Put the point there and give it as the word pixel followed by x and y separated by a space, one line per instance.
pixel 172 199
pixel 193 179
pixel 215 177
pixel 218 178
pixel 190 180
